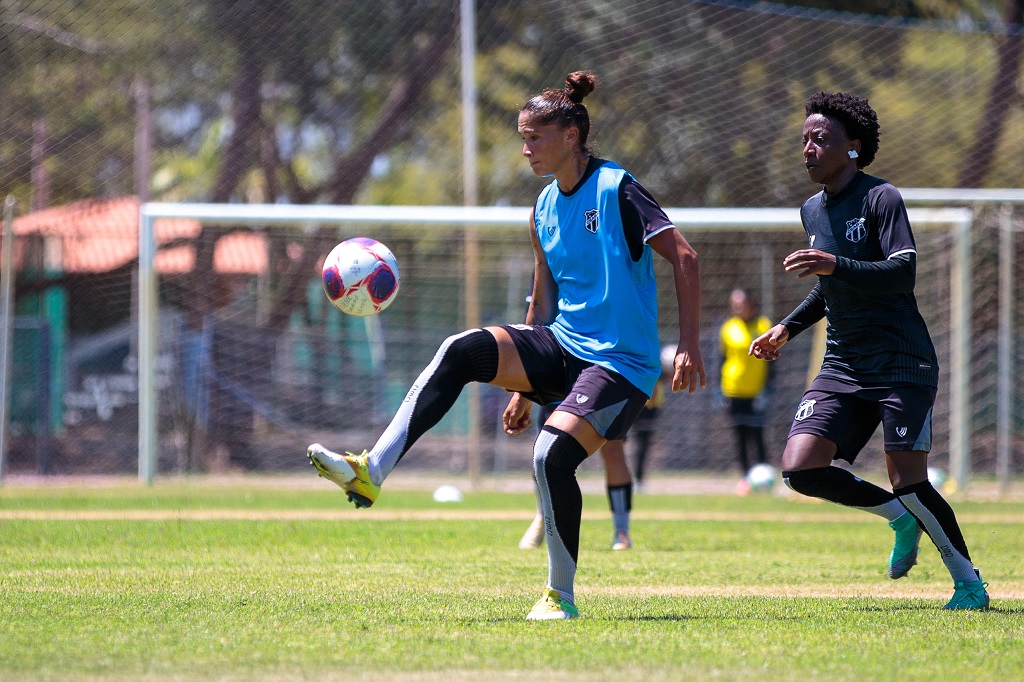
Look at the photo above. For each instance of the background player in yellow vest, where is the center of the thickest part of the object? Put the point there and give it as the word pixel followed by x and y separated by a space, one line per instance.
pixel 745 380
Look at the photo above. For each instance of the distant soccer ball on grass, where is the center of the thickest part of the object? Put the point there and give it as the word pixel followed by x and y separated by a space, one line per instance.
pixel 360 276
pixel 941 481
pixel 761 477
pixel 447 493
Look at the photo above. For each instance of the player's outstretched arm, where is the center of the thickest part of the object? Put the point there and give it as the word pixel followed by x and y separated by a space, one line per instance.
pixel 769 345
pixel 688 366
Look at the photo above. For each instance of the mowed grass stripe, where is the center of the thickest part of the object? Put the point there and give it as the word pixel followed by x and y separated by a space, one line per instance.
pixel 352 516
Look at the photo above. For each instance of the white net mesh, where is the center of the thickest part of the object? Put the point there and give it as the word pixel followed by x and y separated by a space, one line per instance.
pixel 108 103
pixel 240 395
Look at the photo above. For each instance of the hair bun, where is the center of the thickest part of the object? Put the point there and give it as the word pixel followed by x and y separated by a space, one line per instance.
pixel 579 84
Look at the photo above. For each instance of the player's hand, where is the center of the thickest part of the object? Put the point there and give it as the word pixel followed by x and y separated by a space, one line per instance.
pixel 688 370
pixel 810 262
pixel 516 417
pixel 768 346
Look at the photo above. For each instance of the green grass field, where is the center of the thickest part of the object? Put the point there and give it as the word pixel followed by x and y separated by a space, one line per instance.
pixel 258 581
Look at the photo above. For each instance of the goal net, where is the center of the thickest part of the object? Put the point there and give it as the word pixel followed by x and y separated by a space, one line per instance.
pixel 236 391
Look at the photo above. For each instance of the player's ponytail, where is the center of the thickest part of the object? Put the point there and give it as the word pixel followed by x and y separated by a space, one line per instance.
pixel 579 84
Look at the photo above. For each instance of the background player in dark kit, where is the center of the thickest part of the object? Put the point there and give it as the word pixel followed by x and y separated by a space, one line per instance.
pixel 880 365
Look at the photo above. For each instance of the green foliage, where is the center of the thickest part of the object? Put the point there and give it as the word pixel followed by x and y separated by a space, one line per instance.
pixel 694 102
pixel 716 587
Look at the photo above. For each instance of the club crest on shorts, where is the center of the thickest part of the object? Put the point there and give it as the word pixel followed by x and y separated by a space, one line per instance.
pixel 901 431
pixel 805 410
pixel 580 399
pixel 855 230
pixel 590 218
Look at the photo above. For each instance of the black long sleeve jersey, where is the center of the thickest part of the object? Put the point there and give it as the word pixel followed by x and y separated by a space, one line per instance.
pixel 876 334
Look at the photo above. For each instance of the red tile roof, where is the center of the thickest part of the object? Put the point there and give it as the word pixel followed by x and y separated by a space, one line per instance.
pixel 97 235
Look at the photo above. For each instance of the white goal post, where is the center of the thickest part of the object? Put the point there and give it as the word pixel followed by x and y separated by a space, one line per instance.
pixel 957 220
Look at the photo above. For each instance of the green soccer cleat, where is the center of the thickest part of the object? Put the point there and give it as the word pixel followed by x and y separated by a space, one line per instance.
pixel 348 471
pixel 908 544
pixel 553 607
pixel 969 595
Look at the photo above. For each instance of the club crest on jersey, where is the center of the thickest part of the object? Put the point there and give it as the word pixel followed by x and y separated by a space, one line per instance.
pixel 855 230
pixel 805 410
pixel 591 220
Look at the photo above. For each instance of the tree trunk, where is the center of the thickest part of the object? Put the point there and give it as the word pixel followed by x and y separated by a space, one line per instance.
pixel 1002 96
pixel 245 119
pixel 348 175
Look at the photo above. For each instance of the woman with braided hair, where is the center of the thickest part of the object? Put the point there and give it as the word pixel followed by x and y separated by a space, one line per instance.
pixel 590 338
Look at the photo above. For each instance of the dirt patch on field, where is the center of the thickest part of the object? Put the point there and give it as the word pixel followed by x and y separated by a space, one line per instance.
pixel 877 590
pixel 452 514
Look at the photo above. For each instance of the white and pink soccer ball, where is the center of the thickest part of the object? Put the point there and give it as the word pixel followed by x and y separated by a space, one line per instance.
pixel 360 276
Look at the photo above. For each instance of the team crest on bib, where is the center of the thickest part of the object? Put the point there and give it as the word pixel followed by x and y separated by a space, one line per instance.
pixel 591 220
pixel 805 410
pixel 855 230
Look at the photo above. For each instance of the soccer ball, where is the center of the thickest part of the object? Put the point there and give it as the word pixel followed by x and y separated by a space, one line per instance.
pixel 941 481
pixel 668 360
pixel 360 276
pixel 761 477
pixel 447 493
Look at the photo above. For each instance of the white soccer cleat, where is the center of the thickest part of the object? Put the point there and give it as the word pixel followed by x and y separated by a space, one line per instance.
pixel 621 541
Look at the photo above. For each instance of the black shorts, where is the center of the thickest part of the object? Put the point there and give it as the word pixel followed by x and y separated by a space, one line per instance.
pixel 606 399
pixel 647 420
pixel 742 413
pixel 848 415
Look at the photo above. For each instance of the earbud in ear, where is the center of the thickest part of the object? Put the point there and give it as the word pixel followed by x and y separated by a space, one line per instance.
pixel 853 154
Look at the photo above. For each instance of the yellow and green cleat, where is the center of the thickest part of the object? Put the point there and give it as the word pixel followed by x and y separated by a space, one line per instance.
pixel 348 471
pixel 552 606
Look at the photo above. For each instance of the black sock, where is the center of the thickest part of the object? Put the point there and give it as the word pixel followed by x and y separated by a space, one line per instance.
pixel 643 441
pixel 758 435
pixel 924 501
pixel 466 357
pixel 837 485
pixel 620 498
pixel 741 444
pixel 564 455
